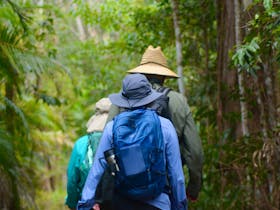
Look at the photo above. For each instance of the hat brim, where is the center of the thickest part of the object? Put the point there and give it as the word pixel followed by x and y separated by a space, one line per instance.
pixel 152 68
pixel 97 122
pixel 119 100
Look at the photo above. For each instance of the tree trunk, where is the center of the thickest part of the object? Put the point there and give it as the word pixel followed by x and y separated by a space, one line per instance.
pixel 276 85
pixel 82 33
pixel 269 92
pixel 179 54
pixel 261 121
pixel 227 106
pixel 243 105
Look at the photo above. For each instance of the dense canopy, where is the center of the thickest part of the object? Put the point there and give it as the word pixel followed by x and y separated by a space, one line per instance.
pixel 59 57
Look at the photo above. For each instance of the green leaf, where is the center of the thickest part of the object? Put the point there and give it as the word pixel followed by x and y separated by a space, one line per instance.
pixel 267 4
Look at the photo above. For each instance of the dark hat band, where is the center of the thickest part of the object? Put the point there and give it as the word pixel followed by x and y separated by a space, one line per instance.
pixel 147 62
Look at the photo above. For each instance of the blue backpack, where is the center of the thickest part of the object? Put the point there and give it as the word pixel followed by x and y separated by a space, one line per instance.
pixel 140 154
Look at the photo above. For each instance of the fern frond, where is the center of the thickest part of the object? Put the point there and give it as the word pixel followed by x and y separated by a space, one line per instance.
pixel 17 110
pixel 62 66
pixel 7 156
pixel 23 17
pixel 10 166
pixel 13 56
pixel 8 37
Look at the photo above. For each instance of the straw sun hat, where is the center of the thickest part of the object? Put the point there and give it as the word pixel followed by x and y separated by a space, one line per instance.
pixel 154 62
pixel 136 92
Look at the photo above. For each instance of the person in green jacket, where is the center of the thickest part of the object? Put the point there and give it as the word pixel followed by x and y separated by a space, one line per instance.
pixel 154 66
pixel 83 153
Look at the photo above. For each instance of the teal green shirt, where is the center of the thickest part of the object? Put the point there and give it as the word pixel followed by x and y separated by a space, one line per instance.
pixel 79 165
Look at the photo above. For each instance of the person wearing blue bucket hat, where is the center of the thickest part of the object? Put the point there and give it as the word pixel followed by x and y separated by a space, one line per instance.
pixel 137 94
pixel 155 67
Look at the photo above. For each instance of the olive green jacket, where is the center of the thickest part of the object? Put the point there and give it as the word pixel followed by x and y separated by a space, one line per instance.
pixel 189 140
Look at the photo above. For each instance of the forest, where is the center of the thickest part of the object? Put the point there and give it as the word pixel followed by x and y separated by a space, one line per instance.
pixel 59 57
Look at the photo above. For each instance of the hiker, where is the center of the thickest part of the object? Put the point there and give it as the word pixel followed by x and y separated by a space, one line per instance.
pixel 82 154
pixel 124 135
pixel 154 66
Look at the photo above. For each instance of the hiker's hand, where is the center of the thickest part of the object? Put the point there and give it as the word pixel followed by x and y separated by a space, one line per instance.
pixel 96 206
pixel 190 198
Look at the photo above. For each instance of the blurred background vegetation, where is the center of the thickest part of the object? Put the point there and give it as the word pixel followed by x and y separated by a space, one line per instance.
pixel 58 57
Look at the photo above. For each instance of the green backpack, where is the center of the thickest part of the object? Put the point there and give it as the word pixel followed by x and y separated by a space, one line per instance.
pixel 93 140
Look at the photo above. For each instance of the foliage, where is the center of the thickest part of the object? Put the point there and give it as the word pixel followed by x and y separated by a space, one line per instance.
pixel 247 56
pixel 263 36
pixel 258 55
pixel 58 58
pixel 22 67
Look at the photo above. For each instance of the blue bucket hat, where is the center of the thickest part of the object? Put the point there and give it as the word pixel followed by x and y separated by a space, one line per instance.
pixel 136 92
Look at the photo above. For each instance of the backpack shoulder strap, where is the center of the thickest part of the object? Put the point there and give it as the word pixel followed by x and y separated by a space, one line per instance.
pixel 164 90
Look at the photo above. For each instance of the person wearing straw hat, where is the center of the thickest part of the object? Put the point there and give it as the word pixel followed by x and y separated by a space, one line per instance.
pixel 137 93
pixel 154 66
pixel 83 152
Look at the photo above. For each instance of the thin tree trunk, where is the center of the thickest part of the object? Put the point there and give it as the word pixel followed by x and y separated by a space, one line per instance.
pixel 227 83
pixel 204 8
pixel 276 85
pixel 51 178
pixel 271 112
pixel 240 75
pixel 179 54
pixel 41 4
pixel 261 108
pixel 226 77
pixel 81 29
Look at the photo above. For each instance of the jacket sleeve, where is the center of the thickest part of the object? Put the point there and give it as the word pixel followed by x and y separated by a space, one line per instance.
pixel 193 156
pixel 73 179
pixel 189 140
pixel 175 171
